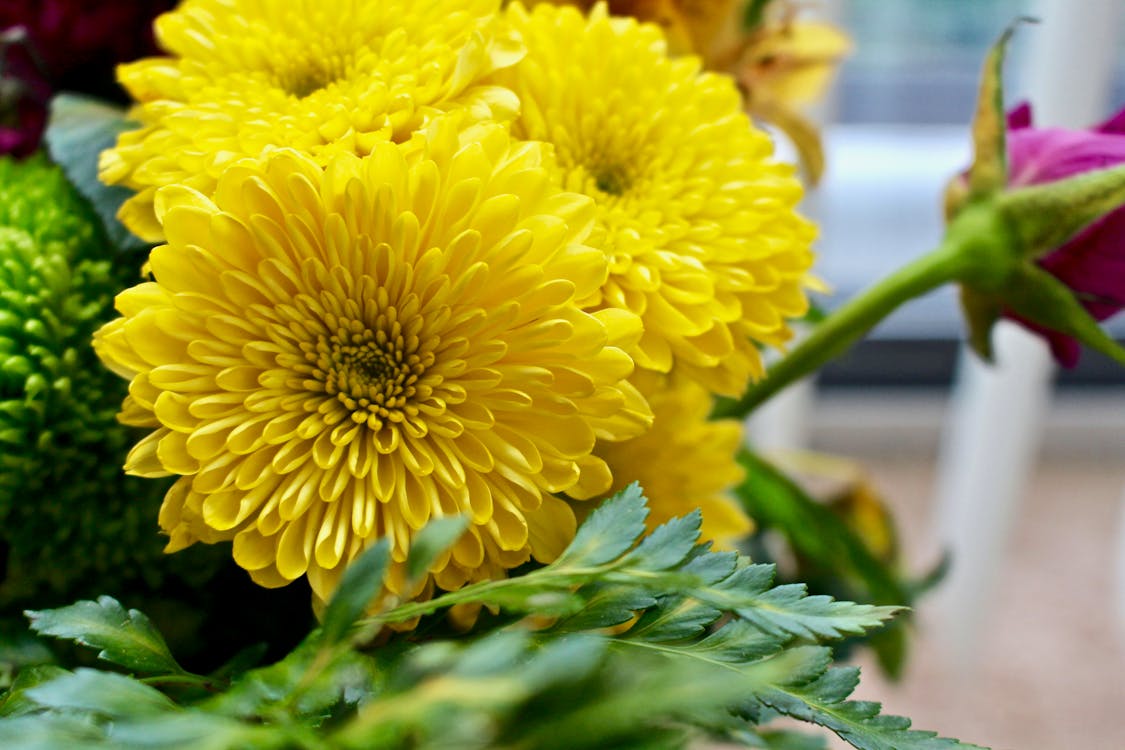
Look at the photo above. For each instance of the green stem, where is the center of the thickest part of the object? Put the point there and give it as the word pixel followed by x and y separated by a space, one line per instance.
pixel 843 327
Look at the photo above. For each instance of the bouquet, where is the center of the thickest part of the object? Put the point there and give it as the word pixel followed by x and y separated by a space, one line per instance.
pixel 385 361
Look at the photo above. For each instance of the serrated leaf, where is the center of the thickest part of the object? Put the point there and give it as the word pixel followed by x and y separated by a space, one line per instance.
pixel 436 537
pixel 739 642
pixel 668 545
pixel 358 587
pixel 126 637
pixel 608 532
pixel 674 618
pixel 859 723
pixel 788 609
pixel 347 678
pixel 105 693
pixel 80 129
pixel 606 605
pixel 711 567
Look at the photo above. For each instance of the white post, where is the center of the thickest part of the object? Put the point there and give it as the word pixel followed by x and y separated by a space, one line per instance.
pixel 993 434
pixel 784 423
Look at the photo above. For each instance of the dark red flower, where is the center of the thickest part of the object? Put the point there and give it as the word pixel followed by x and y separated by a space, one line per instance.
pixel 24 94
pixel 76 38
pixel 1092 263
pixel 56 45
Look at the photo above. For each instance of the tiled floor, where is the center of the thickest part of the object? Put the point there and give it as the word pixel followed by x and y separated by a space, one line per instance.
pixel 1049 666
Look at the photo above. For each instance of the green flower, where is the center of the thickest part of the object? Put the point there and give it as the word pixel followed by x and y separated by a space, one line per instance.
pixel 69 518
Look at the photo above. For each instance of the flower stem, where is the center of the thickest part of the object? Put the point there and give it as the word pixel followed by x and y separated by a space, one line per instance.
pixel 847 324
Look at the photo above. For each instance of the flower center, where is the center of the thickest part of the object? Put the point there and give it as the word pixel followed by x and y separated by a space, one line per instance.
pixel 303 76
pixel 372 371
pixel 612 180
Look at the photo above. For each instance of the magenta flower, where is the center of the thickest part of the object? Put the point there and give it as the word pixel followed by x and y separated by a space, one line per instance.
pixel 1092 263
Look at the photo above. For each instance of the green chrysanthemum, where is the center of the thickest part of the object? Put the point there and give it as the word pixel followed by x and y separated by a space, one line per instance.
pixel 68 518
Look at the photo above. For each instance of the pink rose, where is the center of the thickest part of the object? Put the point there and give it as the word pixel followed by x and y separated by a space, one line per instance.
pixel 1092 263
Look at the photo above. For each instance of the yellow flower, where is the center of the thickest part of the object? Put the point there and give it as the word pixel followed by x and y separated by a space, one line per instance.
pixel 697 220
pixel 782 62
pixel 685 461
pixel 331 356
pixel 319 76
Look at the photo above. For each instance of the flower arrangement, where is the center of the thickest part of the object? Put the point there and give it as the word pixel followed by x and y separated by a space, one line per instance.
pixel 441 319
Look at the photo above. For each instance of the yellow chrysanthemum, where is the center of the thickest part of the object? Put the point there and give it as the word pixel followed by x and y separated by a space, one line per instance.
pixel 330 356
pixel 685 461
pixel 319 76
pixel 697 221
pixel 781 61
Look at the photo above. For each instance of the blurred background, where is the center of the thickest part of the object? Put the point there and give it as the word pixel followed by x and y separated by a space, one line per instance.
pixel 1019 471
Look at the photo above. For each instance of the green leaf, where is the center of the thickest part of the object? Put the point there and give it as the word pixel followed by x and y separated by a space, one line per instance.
pixel 80 128
pixel 668 545
pixel 105 693
pixel 196 730
pixel 715 650
pixel 291 686
pixel 602 583
pixel 790 740
pixel 126 638
pixel 789 609
pixel 606 605
pixel 436 537
pixel 608 532
pixel 823 701
pixel 358 587
pixel 22 649
pixel 675 618
pixel 16 701
pixel 775 501
pixel 52 731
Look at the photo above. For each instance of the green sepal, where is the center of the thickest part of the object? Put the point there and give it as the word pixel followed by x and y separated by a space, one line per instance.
pixel 989 171
pixel 1043 217
pixel 1042 299
pixel 981 313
